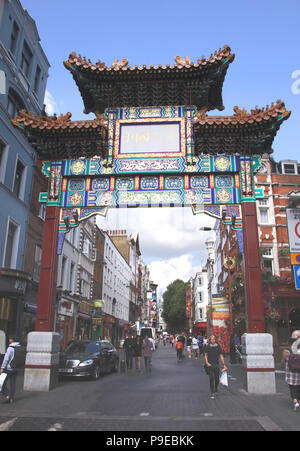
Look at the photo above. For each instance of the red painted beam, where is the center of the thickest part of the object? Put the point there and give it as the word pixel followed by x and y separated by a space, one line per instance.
pixel 253 277
pixel 48 273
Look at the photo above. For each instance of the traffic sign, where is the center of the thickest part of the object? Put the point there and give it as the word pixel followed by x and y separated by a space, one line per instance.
pixel 293 221
pixel 295 259
pixel 297 276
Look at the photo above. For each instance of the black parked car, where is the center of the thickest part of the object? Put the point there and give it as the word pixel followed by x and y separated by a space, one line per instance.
pixel 88 358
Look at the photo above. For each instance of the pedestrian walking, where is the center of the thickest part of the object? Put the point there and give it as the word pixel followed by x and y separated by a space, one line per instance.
pixel 129 348
pixel 200 344
pixel 213 354
pixel 147 354
pixel 188 346
pixel 292 376
pixel 179 350
pixel 137 352
pixel 8 368
pixel 195 348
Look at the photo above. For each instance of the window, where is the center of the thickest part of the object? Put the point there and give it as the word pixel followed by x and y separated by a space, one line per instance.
pixel 268 264
pixel 63 271
pixel 26 59
pixel 72 274
pixel 201 313
pixel 37 79
pixel 42 211
pixel 200 281
pixel 200 296
pixel 264 215
pixel 87 247
pixel 37 263
pixel 11 246
pixel 289 168
pixel 2 149
pixel 19 179
pixel 14 103
pixel 14 38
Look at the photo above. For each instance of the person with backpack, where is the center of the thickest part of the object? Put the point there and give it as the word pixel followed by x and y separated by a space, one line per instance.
pixel 291 360
pixel 10 367
pixel 179 349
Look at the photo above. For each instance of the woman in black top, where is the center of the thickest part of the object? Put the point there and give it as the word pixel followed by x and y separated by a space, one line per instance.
pixel 213 354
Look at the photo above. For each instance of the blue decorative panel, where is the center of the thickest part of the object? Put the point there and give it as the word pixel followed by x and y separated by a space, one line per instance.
pixel 125 184
pixel 100 184
pixel 174 182
pixel 198 181
pixel 149 183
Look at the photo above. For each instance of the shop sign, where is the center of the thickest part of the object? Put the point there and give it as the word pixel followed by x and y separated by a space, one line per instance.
pixel 65 307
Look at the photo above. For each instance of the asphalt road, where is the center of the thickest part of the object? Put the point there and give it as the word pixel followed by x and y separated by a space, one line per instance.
pixel 174 397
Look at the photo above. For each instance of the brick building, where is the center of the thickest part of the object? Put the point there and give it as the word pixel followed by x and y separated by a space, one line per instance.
pixel 279 181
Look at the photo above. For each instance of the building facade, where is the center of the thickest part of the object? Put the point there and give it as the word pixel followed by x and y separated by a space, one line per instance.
pixel 279 181
pixel 24 71
pixel 200 294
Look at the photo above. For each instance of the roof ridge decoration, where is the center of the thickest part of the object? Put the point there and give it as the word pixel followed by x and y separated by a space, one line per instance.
pixel 75 60
pixel 63 121
pixel 242 116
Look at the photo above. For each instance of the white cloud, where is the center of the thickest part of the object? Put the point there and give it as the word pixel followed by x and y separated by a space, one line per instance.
pixel 51 104
pixel 165 272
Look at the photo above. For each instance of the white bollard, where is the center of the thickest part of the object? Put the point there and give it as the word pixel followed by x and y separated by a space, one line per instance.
pixel 258 363
pixel 42 361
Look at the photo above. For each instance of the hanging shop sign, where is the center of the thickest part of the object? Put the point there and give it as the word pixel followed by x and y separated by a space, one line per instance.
pixel 65 307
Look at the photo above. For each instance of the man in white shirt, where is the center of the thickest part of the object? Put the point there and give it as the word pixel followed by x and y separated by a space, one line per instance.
pixel 195 348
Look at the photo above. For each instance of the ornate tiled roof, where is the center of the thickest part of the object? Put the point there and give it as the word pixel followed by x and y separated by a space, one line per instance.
pixel 57 138
pixel 121 85
pixel 242 133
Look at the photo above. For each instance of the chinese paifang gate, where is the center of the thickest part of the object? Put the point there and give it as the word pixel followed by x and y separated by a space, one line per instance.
pixel 152 143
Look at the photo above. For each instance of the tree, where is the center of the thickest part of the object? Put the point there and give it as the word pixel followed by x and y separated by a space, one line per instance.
pixel 174 307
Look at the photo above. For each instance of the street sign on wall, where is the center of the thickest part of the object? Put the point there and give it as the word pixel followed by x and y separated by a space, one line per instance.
pixel 297 276
pixel 293 221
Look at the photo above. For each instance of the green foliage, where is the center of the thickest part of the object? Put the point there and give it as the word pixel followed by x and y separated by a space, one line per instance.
pixel 174 308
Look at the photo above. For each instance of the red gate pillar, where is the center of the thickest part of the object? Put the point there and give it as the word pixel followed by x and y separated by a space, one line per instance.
pixel 253 277
pixel 48 273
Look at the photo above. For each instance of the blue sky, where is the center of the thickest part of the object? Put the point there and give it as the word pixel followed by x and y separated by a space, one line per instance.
pixel 263 34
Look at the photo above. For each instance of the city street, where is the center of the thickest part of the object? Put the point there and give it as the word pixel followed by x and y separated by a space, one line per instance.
pixel 175 397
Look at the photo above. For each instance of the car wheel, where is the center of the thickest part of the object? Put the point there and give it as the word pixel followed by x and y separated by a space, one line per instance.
pixel 95 372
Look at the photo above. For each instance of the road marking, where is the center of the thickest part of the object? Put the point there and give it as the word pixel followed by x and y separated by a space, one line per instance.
pixel 6 426
pixel 268 425
pixel 55 427
pixel 144 414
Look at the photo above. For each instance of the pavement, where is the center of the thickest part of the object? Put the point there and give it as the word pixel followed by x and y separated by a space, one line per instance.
pixel 174 397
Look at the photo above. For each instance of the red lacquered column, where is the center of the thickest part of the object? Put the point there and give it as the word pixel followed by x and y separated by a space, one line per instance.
pixel 48 273
pixel 253 277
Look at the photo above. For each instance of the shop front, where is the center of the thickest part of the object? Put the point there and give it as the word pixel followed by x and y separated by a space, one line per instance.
pixel 65 321
pixel 282 313
pixel 84 321
pixel 200 328
pixel 13 291
pixel 97 327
